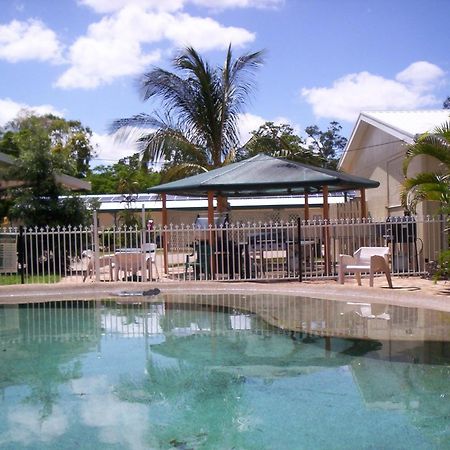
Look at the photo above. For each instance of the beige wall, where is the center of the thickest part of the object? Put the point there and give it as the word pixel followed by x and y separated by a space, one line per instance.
pixel 379 156
pixel 187 217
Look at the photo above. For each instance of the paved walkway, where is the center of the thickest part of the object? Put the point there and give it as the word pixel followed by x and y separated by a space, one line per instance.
pixel 408 291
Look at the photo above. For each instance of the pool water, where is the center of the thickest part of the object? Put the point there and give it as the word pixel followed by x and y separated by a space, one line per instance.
pixel 197 372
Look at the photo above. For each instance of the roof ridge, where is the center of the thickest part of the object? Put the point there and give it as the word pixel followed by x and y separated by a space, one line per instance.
pixel 231 167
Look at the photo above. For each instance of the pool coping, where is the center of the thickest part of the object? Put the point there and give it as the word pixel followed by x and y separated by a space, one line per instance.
pixel 411 292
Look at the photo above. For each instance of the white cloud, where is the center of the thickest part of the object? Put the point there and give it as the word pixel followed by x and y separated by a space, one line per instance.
pixel 111 48
pixel 102 411
pixel 248 123
pixel 10 109
pixel 109 149
pixel 30 40
pixel 109 6
pixel 420 75
pixel 27 427
pixel 114 46
pixel 225 4
pixel 204 33
pixel 411 89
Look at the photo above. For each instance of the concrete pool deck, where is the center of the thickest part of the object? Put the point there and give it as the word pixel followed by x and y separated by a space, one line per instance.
pixel 407 291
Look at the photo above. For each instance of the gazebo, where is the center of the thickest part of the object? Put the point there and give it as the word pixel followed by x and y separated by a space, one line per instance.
pixel 263 175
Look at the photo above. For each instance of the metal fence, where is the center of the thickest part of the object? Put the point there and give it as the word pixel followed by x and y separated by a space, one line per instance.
pixel 239 251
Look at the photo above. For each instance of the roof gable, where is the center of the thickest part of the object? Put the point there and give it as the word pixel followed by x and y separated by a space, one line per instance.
pixel 402 125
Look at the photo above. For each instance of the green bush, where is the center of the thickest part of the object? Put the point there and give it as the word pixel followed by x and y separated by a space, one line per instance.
pixel 442 271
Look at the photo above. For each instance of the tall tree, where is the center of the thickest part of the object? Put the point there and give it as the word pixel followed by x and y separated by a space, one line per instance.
pixel 327 144
pixel 40 200
pixel 196 128
pixel 68 138
pixel 435 185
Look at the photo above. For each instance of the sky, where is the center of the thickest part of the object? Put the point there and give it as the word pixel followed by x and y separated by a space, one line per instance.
pixel 325 60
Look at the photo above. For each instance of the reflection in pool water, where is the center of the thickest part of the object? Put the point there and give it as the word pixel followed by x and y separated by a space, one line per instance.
pixel 223 372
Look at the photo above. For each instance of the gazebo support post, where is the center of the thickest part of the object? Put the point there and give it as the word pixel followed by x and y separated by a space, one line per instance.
pixel 211 209
pixel 326 240
pixel 222 203
pixel 165 234
pixel 211 225
pixel 306 206
pixel 363 204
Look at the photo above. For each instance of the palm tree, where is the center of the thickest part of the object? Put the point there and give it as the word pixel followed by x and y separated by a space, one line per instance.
pixel 433 186
pixel 197 129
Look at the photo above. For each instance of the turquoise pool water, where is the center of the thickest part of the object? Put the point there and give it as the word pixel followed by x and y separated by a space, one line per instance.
pixel 208 375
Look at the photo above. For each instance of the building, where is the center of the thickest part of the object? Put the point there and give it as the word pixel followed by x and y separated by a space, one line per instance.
pixel 376 150
pixel 184 210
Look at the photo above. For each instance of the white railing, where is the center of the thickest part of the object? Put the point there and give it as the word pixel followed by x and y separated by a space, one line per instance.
pixel 240 251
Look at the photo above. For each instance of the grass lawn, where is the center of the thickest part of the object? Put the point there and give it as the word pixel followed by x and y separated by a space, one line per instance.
pixel 39 279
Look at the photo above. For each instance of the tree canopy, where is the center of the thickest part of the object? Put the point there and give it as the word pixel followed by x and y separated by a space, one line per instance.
pixel 127 176
pixel 328 144
pixel 44 146
pixel 68 138
pixel 278 141
pixel 319 148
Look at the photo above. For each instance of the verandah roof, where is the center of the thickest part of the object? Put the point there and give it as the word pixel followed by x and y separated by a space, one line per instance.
pixel 265 175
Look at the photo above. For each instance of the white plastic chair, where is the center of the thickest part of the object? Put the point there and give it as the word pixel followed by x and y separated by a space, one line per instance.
pixel 365 259
pixel 150 254
pixel 130 262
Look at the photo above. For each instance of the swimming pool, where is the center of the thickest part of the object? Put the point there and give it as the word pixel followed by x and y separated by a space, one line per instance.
pixel 223 372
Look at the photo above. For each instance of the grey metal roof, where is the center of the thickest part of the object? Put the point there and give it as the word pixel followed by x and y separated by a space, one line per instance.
pixel 265 175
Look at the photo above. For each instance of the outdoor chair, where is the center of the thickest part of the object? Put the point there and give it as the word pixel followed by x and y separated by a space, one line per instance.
pixel 150 254
pixel 365 259
pixel 199 260
pixel 130 263
pixel 104 261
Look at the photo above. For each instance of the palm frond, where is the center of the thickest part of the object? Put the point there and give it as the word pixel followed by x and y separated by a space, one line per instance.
pixel 201 107
pixel 425 186
pixel 435 144
pixel 181 171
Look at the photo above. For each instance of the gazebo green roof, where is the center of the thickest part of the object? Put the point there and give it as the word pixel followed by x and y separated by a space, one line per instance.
pixel 264 175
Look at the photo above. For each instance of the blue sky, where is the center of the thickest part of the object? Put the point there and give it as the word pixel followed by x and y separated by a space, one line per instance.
pixel 326 59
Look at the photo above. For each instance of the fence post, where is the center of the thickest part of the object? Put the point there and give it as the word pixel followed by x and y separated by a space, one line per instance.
pixel 21 255
pixel 144 273
pixel 96 248
pixel 300 252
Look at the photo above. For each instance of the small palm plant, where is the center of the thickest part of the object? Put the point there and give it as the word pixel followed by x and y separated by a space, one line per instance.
pixel 434 186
